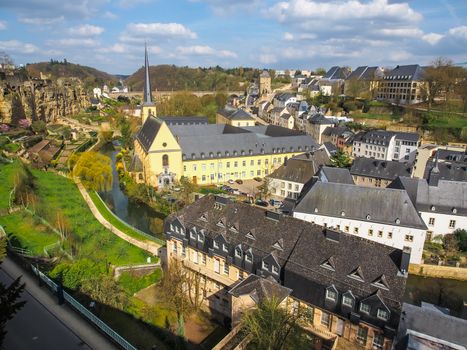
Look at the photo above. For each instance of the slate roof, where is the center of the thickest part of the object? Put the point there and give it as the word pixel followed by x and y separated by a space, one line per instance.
pixel 407 136
pixel 136 165
pixel 331 148
pixel 221 141
pixel 364 73
pixel 431 322
pixel 336 131
pixel 443 198
pixel 283 96
pixel 381 169
pixel 376 137
pixel 184 120
pixel 320 119
pixel 260 289
pixel 301 169
pixel 452 165
pixel 335 73
pixel 407 72
pixel 148 132
pixel 379 205
pixel 335 175
pixel 453 156
pixel 303 249
pixel 232 113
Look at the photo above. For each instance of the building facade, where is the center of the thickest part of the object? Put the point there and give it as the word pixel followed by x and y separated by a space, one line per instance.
pixel 264 83
pixel 377 173
pixel 241 250
pixel 403 85
pixel 234 116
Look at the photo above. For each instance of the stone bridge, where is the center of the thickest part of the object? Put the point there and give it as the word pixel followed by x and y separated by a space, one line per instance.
pixel 167 94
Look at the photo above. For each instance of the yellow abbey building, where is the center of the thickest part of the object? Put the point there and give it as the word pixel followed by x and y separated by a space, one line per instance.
pixel 168 148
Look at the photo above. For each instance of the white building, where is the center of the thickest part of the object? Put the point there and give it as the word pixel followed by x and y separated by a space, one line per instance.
pixel 442 204
pixel 382 215
pixel 386 145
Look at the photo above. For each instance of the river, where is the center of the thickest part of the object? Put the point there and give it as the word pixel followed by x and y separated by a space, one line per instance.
pixel 135 213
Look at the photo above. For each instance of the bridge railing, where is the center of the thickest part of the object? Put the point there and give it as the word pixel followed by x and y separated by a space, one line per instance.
pixel 117 338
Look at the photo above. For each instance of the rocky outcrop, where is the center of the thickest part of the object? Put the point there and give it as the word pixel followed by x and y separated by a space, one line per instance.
pixel 37 99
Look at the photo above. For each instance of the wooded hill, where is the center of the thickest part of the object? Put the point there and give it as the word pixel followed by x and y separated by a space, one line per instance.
pixel 170 77
pixel 90 77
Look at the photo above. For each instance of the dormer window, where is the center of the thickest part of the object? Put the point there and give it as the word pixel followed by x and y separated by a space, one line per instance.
pixel 433 208
pixel 238 252
pixel 225 248
pixel 265 265
pixel 211 154
pixel 220 223
pixel 235 153
pixel 203 218
pixel 398 221
pixel 171 227
pixel 381 283
pixel 347 301
pixel 275 269
pixel 200 237
pixel 248 257
pixel 192 235
pixel 331 294
pixel 329 264
pixel 202 155
pixel 365 308
pixel 382 314
pixel 215 245
pixel 250 236
pixel 357 274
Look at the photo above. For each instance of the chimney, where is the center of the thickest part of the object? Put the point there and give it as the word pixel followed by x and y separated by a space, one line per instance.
pixel 433 178
pixel 405 260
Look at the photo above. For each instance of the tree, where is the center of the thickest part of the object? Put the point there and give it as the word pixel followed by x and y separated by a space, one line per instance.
pixel 320 71
pixel 38 126
pixel 94 170
pixel 125 129
pixel 187 187
pixel 340 160
pixel 265 188
pixel 272 326
pixel 9 295
pixel 461 236
pixel 105 290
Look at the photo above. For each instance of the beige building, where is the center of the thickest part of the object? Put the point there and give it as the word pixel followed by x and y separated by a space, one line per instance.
pixel 371 172
pixel 264 83
pixel 234 116
pixel 350 289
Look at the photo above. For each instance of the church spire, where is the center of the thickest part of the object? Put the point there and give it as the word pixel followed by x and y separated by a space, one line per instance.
pixel 147 100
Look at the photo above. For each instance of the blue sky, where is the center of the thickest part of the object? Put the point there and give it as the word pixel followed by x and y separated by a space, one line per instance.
pixel 305 34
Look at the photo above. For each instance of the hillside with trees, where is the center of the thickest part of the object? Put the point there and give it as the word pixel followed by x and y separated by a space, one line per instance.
pixel 58 69
pixel 170 77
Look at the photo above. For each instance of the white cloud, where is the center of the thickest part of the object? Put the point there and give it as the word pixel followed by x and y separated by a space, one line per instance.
pixel 73 42
pixel 168 30
pixel 293 10
pixel 86 30
pixel 41 21
pixel 460 32
pixel 116 48
pixel 203 50
pixel 2 25
pixel 432 38
pixel 304 36
pixel 267 58
pixel 15 46
pixel 109 15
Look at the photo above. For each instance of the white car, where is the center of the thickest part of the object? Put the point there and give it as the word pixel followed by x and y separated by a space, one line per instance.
pixel 231 182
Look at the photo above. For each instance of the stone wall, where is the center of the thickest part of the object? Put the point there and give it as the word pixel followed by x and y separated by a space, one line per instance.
pixel 455 273
pixel 36 99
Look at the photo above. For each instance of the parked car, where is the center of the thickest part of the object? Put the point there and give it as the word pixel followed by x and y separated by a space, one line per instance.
pixel 261 203
pixel 239 181
pixel 231 182
pixel 275 203
pixel 258 179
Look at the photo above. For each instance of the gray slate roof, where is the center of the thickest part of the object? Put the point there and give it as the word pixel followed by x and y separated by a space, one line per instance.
pixel 260 289
pixel 336 131
pixel 335 73
pixel 364 73
pixel 283 96
pixel 379 205
pixel 221 141
pixel 407 72
pixel 232 113
pixel 318 118
pixel 431 322
pixel 444 198
pixel 301 168
pixel 148 132
pixel 380 169
pixel 184 120
pixel 335 175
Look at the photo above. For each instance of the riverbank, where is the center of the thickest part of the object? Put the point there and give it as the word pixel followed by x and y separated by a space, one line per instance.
pixel 435 271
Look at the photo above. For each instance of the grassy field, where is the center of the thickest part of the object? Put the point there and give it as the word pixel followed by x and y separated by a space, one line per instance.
pixel 374 116
pixel 132 284
pixel 28 233
pixel 109 216
pixel 59 194
pixel 446 120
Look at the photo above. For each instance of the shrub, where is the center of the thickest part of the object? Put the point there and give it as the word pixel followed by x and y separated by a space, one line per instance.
pixel 461 236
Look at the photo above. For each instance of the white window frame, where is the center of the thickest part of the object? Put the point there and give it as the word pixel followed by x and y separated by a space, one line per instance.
pixel 329 296
pixel 364 305
pixel 346 298
pixel 382 314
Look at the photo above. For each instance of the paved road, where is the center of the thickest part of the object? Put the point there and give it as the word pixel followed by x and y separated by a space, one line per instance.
pixel 43 324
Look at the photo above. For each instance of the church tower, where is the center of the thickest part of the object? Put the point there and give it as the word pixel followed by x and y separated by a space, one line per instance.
pixel 148 108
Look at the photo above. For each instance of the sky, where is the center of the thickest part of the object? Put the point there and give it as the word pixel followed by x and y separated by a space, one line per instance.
pixel 289 34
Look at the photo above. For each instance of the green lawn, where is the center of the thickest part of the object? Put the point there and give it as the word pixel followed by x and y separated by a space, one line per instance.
pixel 27 233
pixel 446 120
pixel 374 116
pixel 131 283
pixel 7 174
pixel 110 217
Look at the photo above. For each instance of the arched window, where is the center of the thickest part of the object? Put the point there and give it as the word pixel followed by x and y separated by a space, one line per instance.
pixel 165 160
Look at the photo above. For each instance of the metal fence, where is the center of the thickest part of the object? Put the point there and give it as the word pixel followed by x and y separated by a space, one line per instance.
pixel 117 338
pixel 144 234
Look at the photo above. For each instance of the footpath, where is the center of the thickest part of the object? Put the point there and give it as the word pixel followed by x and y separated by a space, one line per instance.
pixel 146 245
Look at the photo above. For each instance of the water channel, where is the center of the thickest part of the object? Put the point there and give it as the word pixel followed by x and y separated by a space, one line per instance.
pixel 443 292
pixel 135 213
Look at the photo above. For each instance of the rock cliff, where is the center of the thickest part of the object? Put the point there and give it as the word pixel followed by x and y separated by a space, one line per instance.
pixel 37 99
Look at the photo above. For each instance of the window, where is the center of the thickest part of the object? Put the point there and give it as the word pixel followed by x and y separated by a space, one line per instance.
pixel 235 164
pixel 452 223
pixel 183 251
pixel 193 235
pixel 325 318
pixel 203 259
pixel 252 162
pixel 240 275
pixel 409 238
pixel 194 167
pixel 165 160
pixel 347 301
pixel 355 230
pixel 195 257
pixel 365 308
pixel 226 268
pixel 265 265
pixel 238 252
pixel 346 228
pixel 228 165
pixel 382 314
pixel 380 234
pixel 215 244
pixel 370 232
pixel 259 161
pixel 275 269
pixel 362 335
pixel 248 257
pixel 389 235
pixel 174 248
pixel 217 265
pixel 331 294
pixel 225 248
pixel 431 221
pixel 244 163
pixel 378 341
